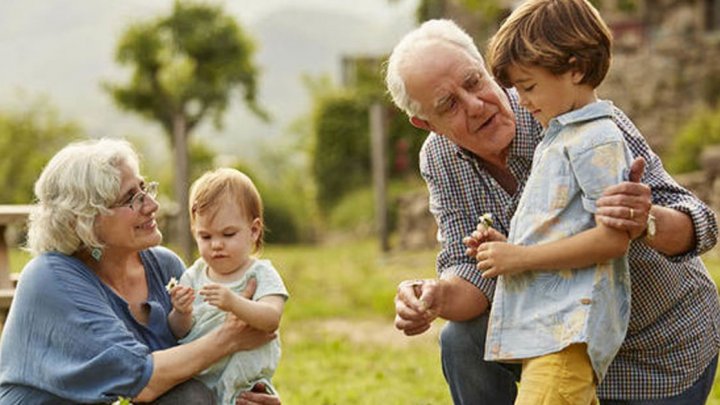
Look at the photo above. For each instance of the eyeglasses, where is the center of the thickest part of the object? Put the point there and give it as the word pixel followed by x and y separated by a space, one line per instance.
pixel 137 201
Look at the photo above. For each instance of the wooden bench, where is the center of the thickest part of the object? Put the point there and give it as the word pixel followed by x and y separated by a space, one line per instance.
pixel 9 214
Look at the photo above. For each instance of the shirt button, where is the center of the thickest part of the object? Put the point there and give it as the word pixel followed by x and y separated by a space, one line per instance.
pixel 496 349
pixel 585 301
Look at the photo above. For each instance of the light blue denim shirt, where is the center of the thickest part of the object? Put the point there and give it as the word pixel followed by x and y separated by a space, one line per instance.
pixel 541 312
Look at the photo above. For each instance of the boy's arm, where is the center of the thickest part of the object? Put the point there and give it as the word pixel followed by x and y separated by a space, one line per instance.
pixel 263 314
pixel 595 245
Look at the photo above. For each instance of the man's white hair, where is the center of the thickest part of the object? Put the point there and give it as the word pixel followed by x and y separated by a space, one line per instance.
pixel 404 54
pixel 81 181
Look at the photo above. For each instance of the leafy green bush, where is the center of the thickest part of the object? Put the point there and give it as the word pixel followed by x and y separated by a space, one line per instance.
pixel 342 149
pixel 281 225
pixel 702 129
pixel 30 135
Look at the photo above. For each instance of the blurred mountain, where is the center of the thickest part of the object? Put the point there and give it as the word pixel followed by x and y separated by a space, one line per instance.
pixel 64 50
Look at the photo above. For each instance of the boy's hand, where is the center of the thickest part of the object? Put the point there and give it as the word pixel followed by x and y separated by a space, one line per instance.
pixel 182 298
pixel 480 235
pixel 218 296
pixel 496 258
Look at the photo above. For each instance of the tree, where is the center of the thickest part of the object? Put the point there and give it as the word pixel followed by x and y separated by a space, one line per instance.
pixel 185 67
pixel 30 136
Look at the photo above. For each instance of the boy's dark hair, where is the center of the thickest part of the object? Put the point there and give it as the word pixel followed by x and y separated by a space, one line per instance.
pixel 558 35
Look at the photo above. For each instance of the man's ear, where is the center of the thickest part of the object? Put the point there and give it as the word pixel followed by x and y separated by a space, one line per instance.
pixel 420 123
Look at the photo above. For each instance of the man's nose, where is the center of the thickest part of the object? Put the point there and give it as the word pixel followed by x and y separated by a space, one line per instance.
pixel 474 104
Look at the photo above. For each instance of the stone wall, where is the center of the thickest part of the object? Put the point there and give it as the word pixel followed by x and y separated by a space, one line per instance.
pixel 416 227
pixel 665 70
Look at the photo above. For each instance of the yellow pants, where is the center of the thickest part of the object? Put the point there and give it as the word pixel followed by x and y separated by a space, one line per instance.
pixel 565 377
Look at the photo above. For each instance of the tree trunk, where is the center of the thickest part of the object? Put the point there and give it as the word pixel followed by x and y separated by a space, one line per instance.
pixel 378 146
pixel 182 221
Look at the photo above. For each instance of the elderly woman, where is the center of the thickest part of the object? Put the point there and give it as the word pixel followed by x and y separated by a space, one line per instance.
pixel 89 320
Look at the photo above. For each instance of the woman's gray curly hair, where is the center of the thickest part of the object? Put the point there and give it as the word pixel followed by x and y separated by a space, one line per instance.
pixel 80 182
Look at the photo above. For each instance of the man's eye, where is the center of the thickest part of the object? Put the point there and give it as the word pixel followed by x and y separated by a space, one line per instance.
pixel 447 106
pixel 529 88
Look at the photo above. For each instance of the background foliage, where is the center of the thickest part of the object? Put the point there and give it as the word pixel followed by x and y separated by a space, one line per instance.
pixel 703 129
pixel 29 135
pixel 341 153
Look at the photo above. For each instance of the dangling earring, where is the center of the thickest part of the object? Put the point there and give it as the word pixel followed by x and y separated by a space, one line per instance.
pixel 96 253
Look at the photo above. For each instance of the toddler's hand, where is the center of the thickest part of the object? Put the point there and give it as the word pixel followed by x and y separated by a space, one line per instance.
pixel 182 298
pixel 218 296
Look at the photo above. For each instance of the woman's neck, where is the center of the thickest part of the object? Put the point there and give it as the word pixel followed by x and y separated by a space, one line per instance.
pixel 123 273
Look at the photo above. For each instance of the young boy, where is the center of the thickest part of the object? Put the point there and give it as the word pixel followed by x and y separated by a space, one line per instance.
pixel 226 215
pixel 562 300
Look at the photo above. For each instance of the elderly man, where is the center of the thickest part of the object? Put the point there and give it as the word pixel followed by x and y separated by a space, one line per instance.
pixel 476 160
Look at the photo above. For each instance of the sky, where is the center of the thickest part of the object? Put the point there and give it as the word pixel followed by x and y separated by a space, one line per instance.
pixel 62 50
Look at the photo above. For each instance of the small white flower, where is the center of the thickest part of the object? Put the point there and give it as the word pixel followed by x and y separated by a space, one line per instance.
pixel 486 220
pixel 171 284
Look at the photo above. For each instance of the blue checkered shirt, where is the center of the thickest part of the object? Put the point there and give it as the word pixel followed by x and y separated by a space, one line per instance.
pixel 675 316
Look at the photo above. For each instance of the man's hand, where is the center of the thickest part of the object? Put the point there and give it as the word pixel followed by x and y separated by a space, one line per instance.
pixel 626 206
pixel 417 305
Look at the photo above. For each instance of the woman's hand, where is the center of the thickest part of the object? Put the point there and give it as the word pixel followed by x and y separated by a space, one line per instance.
pixel 256 398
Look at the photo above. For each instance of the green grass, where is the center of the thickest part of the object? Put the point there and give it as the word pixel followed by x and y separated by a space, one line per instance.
pixel 339 345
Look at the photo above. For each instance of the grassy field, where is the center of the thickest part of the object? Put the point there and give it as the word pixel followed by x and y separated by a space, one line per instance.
pixel 339 345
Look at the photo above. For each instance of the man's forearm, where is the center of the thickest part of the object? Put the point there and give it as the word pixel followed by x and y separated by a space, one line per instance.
pixel 461 300
pixel 675 231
